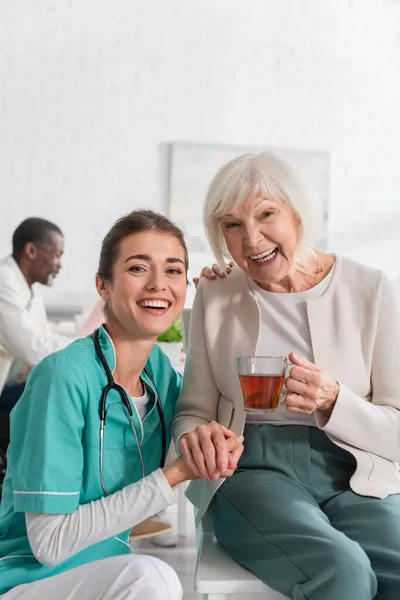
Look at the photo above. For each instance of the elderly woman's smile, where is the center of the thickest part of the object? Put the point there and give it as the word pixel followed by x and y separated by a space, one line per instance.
pixel 266 256
pixel 265 259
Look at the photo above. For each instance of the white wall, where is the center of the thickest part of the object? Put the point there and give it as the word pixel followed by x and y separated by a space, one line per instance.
pixel 89 90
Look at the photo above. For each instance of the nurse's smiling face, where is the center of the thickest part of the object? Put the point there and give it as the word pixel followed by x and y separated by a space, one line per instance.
pixel 147 291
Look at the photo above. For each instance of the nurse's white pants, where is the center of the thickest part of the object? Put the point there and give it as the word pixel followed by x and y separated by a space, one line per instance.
pixel 126 577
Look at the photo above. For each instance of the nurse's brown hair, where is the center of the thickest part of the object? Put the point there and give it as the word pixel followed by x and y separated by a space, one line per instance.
pixel 137 221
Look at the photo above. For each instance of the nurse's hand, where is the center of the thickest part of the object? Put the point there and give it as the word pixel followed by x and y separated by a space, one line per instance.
pixel 177 472
pixel 211 451
pixel 214 272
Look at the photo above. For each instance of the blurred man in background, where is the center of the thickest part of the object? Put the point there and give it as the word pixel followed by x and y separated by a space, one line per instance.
pixel 25 333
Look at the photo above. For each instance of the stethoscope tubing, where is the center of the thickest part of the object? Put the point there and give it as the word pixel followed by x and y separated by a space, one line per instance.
pixel 113 385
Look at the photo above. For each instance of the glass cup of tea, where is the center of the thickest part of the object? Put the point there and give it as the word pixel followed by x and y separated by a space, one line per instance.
pixel 261 379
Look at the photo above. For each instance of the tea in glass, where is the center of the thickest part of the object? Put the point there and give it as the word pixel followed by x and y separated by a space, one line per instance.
pixel 261 380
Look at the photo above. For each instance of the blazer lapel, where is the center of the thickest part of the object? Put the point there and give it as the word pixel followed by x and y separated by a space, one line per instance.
pixel 237 335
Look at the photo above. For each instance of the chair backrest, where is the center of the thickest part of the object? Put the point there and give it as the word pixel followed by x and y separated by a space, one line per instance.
pixel 185 319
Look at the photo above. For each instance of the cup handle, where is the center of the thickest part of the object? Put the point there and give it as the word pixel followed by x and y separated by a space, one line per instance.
pixel 284 390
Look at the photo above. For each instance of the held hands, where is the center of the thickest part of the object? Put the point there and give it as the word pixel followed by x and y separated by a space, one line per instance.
pixel 211 451
pixel 309 389
pixel 213 272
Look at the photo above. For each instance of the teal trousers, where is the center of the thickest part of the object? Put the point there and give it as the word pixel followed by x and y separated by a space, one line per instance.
pixel 289 516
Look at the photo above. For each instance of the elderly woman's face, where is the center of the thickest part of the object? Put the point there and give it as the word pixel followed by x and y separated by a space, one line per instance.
pixel 262 236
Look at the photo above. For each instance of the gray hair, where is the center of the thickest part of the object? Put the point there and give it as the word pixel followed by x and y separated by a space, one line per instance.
pixel 258 174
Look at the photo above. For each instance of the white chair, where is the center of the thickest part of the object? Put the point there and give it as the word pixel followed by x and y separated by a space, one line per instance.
pixel 218 577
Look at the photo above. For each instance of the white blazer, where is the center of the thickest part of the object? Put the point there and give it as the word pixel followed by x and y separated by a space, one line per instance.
pixel 355 334
pixel 25 332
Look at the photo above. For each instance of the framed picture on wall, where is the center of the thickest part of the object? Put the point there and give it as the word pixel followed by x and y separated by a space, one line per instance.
pixel 189 169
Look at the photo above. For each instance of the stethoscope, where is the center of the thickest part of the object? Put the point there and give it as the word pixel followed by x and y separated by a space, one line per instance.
pixel 112 385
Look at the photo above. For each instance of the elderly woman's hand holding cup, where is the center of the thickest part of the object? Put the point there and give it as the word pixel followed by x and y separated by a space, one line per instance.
pixel 309 388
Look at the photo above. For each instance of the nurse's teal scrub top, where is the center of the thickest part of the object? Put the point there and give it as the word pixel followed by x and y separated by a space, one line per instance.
pixel 54 455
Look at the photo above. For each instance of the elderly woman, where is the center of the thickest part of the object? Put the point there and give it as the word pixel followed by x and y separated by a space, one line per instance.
pixel 313 508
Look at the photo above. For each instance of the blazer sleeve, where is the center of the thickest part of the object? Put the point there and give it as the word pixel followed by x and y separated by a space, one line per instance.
pixel 198 401
pixel 374 426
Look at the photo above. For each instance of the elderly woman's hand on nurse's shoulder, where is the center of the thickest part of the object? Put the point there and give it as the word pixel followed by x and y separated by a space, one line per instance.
pixel 309 388
pixel 211 451
pixel 214 272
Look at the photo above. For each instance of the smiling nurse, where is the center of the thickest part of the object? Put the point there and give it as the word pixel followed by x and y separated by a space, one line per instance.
pixel 89 436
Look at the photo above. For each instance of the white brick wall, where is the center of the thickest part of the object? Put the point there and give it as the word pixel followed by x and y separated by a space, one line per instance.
pixel 88 91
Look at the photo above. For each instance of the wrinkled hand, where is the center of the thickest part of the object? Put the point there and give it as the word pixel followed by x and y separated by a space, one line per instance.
pixel 211 451
pixel 214 272
pixel 309 389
